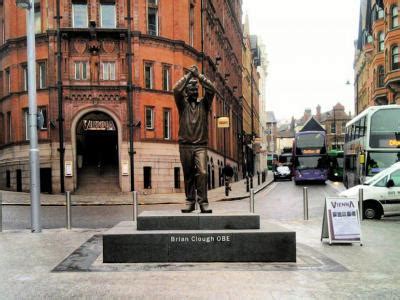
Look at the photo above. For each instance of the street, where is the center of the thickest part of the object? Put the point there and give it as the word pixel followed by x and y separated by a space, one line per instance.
pixel 281 200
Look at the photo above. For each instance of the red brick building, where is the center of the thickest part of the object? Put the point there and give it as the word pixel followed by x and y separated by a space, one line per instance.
pixel 104 79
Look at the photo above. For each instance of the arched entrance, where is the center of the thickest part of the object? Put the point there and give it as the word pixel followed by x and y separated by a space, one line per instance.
pixel 97 158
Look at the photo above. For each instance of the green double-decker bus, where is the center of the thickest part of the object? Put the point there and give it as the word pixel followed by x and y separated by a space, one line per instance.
pixel 336 160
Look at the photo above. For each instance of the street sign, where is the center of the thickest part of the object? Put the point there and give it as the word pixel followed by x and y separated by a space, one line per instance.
pixel 341 220
pixel 223 122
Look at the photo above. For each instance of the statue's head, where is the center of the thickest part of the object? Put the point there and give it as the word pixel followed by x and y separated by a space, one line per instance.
pixel 192 89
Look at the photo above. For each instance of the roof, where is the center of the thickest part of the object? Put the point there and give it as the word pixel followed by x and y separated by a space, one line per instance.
pixel 312 125
pixel 285 134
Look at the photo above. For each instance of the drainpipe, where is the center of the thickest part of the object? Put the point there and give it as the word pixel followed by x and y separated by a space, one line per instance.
pixel 59 98
pixel 202 35
pixel 130 96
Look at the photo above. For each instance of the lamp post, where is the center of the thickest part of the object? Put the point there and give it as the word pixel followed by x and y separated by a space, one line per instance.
pixel 33 133
pixel 334 122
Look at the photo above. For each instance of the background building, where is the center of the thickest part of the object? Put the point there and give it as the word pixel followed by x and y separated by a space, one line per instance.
pixel 376 64
pixel 251 58
pixel 334 122
pixel 105 73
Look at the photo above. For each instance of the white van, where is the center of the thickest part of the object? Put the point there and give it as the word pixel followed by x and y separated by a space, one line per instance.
pixel 381 193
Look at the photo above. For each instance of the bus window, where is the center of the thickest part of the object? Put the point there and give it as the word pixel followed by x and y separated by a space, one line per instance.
pixel 378 161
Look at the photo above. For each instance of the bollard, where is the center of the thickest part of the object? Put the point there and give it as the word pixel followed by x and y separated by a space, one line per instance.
pixel 360 203
pixel 68 207
pixel 252 200
pixel 258 178
pixel 251 181
pixel 135 206
pixel 305 203
pixel 1 212
pixel 247 184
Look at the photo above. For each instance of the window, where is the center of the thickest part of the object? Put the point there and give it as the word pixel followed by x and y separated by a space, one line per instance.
pixel 148 75
pixel 3 35
pixel 42 111
pixel 380 13
pixel 8 179
pixel 166 78
pixel 150 118
pixel 343 127
pixel 191 25
pixel 79 15
pixel 152 17
pixel 147 177
pixel 381 41
pixel 42 75
pixel 8 82
pixel 395 176
pixel 2 129
pixel 333 127
pixel 167 124
pixel 24 78
pixel 395 58
pixel 26 120
pixel 108 15
pixel 38 17
pixel 395 17
pixel 108 70
pixel 177 177
pixel 381 76
pixel 81 70
pixel 9 127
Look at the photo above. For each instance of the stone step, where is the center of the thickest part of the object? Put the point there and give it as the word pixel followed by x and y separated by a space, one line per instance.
pixel 170 220
pixel 124 244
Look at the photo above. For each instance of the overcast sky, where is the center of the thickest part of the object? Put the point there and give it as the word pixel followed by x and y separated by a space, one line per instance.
pixel 310 48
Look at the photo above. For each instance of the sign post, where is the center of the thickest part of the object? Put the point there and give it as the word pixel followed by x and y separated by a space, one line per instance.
pixel 341 221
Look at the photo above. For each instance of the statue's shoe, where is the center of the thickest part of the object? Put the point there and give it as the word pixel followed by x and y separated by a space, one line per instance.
pixel 205 210
pixel 188 209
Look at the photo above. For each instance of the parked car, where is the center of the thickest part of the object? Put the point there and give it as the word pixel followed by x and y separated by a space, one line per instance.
pixel 282 172
pixel 381 193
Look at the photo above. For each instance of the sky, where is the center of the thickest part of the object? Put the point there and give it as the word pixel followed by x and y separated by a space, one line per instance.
pixel 310 49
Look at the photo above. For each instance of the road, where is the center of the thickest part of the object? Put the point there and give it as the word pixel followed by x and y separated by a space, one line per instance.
pixel 279 201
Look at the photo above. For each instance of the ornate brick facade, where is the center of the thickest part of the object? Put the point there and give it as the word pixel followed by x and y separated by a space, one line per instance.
pixel 167 37
pixel 377 68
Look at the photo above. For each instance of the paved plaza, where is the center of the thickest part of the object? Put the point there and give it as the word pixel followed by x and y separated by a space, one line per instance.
pixel 67 264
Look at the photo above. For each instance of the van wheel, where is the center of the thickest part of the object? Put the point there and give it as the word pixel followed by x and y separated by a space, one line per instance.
pixel 372 211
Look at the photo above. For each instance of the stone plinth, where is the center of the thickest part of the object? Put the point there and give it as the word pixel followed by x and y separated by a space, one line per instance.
pixel 164 220
pixel 124 244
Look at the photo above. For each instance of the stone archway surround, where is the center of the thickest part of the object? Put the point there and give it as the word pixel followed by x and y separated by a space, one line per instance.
pixel 70 149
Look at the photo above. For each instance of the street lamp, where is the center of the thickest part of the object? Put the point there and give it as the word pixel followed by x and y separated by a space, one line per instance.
pixel 33 133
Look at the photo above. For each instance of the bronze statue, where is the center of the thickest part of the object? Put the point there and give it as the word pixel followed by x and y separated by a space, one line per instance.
pixel 193 136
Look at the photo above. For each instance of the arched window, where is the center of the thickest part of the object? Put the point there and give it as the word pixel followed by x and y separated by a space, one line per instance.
pixel 381 41
pixel 395 16
pixel 395 57
pixel 381 76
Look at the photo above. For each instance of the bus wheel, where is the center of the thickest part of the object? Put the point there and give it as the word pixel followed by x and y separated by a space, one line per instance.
pixel 372 211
